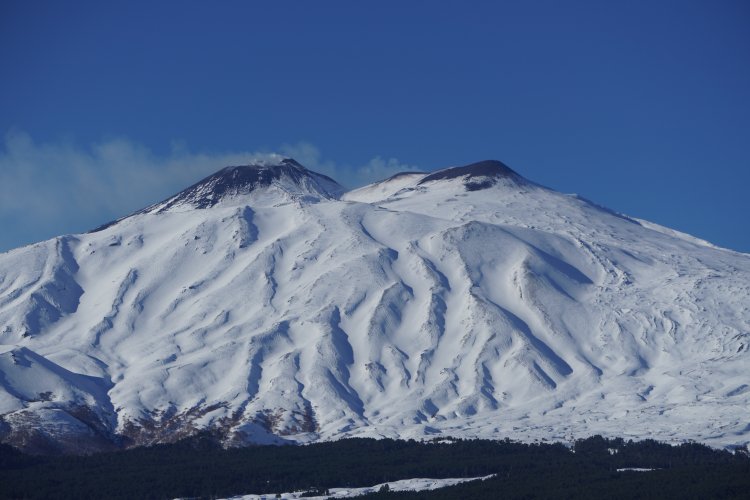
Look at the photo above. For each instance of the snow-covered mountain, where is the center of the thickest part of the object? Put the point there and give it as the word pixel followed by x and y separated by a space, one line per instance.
pixel 265 306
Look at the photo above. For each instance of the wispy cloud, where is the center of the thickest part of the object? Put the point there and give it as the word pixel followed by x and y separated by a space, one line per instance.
pixel 352 176
pixel 57 188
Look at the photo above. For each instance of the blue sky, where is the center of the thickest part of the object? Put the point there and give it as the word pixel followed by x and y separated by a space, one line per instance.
pixel 643 107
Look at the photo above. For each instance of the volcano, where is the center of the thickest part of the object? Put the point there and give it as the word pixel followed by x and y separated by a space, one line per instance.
pixel 266 305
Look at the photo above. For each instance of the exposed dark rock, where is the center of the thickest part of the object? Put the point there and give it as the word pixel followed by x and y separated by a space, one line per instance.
pixel 489 171
pixel 238 180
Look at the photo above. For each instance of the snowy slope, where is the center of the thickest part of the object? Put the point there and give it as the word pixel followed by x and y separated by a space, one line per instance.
pixel 415 484
pixel 467 302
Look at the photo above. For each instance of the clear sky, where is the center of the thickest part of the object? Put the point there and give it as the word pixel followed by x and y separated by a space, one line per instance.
pixel 641 106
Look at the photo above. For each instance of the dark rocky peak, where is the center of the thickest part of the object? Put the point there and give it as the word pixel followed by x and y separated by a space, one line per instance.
pixel 475 176
pixel 285 174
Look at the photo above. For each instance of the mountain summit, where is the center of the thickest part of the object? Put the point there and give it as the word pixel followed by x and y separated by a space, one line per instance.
pixel 271 181
pixel 285 176
pixel 483 173
pixel 468 302
pixel 473 177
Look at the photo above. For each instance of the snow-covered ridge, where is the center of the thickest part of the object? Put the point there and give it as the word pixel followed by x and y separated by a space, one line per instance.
pixel 267 309
pixel 385 189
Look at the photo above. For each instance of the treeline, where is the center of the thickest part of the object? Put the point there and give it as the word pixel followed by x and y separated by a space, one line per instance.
pixel 689 471
pixel 199 468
